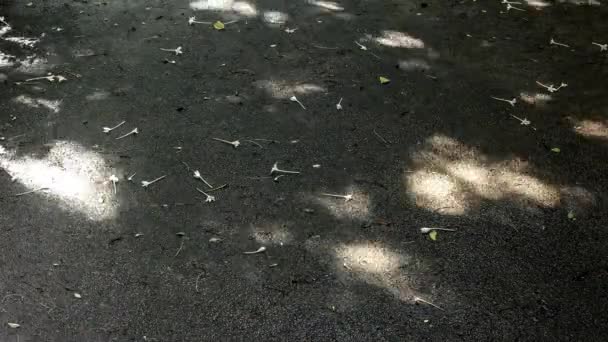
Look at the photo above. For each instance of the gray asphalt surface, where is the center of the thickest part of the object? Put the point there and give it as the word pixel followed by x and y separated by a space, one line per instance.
pixel 431 148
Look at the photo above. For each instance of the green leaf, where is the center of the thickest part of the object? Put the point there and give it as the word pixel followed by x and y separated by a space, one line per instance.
pixel 218 25
pixel 571 215
pixel 383 80
pixel 556 150
pixel 433 235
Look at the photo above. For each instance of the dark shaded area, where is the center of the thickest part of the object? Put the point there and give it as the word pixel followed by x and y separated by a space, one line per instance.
pixel 516 270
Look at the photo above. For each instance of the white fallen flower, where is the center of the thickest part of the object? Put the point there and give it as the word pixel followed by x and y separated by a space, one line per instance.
pixel 275 169
pixel 554 42
pixel 551 88
pixel 510 7
pixel 13 325
pixel 146 184
pixel 426 230
pixel 345 197
pixel 339 105
pixel 114 180
pixel 192 21
pixel 130 178
pixel 77 295
pixel 51 78
pixel 512 102
pixel 110 129
pixel 259 250
pixel 209 198
pixel 523 121
pixel 288 30
pixel 235 143
pixel 295 99
pixel 197 175
pixel 361 46
pixel 603 47
pixel 177 51
pixel 215 239
pixel 133 132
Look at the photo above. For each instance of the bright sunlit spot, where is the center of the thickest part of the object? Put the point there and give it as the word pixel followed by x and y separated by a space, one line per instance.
pixel 284 90
pixel 538 3
pixel 329 5
pixel 69 173
pixel 452 178
pixel 242 8
pixel 275 17
pixel 397 39
pixel 51 105
pixel 592 128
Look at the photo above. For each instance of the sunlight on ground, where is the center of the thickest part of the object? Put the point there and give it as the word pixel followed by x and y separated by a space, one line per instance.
pixel 284 90
pixel 51 105
pixel 242 8
pixel 451 178
pixel 272 233
pixel 538 3
pixel 98 95
pixel 536 98
pixel 591 128
pixel 358 208
pixel 275 17
pixel 397 39
pixel 34 65
pixel 413 64
pixel 6 60
pixel 73 175
pixel 329 5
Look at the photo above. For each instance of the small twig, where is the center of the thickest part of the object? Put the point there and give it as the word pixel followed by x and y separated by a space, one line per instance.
pixel 255 143
pixel 234 144
pixel 553 42
pixel 381 138
pixel 181 245
pixel 217 188
pixel 345 197
pixel 186 165
pixel 418 299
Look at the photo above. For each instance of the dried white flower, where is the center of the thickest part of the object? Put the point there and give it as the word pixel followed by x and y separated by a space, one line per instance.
pixel 133 132
pixel 512 102
pixel 110 129
pixel 145 184
pixel 339 105
pixel 235 143
pixel 197 175
pixel 523 121
pixel 177 51
pixel 345 197
pixel 295 99
pixel 209 198
pixel 114 180
pixel 361 46
pixel 259 250
pixel 554 42
pixel 275 169
pixel 603 47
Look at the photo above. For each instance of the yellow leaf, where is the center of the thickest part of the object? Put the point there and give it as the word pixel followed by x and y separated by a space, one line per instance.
pixel 556 150
pixel 218 25
pixel 383 80
pixel 433 235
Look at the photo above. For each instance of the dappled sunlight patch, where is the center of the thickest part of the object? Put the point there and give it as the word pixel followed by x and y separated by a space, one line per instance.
pixel 591 128
pixel 71 174
pixel 272 233
pixel 6 60
pixel 243 8
pixel 538 3
pixel 284 90
pixel 51 105
pixel 577 198
pixel 34 65
pixel 413 64
pixel 397 39
pixel 275 17
pixel 328 5
pixel 98 95
pixel 452 178
pixel 357 208
pixel 536 98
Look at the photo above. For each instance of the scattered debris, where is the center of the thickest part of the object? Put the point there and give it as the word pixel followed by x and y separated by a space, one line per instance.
pixel 209 198
pixel 603 47
pixel 426 230
pixel 114 180
pixel 235 143
pixel 135 131
pixel 339 105
pixel 110 129
pixel 255 143
pixel 553 42
pixel 381 138
pixel 524 121
pixel 295 99
pixel 290 31
pixel 345 197
pixel 551 88
pixel 197 175
pixel 177 51
pixel 215 240
pixel 275 168
pixel 512 102
pixel 259 250
pixel 146 184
